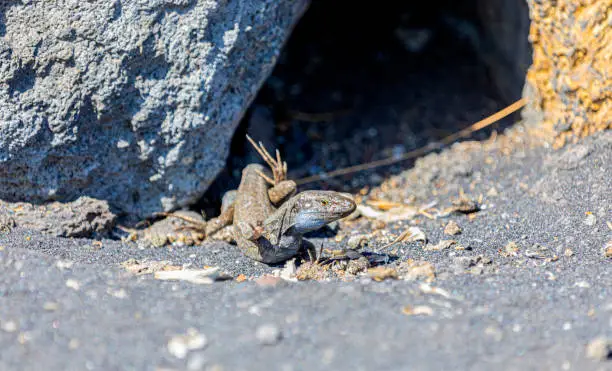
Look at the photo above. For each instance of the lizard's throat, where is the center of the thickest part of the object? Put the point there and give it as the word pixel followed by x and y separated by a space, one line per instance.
pixel 308 222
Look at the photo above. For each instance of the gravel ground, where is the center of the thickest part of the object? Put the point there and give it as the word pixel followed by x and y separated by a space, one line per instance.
pixel 68 304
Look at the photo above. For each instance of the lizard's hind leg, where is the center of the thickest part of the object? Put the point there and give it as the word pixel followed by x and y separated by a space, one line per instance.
pixel 195 224
pixel 277 165
pixel 282 188
pixel 227 214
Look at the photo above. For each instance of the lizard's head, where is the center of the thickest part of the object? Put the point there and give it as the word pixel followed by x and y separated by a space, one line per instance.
pixel 314 209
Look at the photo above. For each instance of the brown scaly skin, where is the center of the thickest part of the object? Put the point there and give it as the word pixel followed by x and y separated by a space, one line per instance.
pixel 272 235
pixel 269 234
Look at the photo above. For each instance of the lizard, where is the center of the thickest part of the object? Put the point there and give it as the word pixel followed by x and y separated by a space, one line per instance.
pixel 269 218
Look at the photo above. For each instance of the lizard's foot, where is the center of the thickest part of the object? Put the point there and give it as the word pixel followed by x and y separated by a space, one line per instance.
pixel 250 232
pixel 196 225
pixel 277 165
pixel 168 231
pixel 309 252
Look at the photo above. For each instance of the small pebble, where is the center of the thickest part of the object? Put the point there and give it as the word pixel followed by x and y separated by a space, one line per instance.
pixel 357 241
pixel 24 337
pixel 196 361
pixel 492 192
pixel 582 284
pixel 600 349
pixel 607 250
pixel 567 326
pixel 73 284
pixel 418 310
pixel 180 345
pixel 9 326
pixel 268 334
pixel 511 249
pixel 73 344
pixel 590 219
pixel 452 228
pixel 494 332
pixel 50 306
pixel 268 281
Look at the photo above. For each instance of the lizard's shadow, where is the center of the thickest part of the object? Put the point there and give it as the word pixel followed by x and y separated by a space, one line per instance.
pixel 324 235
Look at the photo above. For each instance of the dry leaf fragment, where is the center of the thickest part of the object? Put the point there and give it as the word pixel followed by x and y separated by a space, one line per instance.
pixel 198 276
pixel 412 270
pixel 428 289
pixel 136 267
pixel 399 213
pixel 412 234
pixel 241 278
pixel 382 273
pixel 443 244
pixel 383 204
pixel 511 249
pixel 417 310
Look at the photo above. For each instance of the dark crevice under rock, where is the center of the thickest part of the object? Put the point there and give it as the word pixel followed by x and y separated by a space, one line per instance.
pixel 390 78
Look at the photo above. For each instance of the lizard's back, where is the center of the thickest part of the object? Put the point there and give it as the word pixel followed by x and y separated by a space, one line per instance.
pixel 252 205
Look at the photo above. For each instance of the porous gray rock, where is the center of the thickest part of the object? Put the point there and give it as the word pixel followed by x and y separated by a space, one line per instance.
pixel 84 217
pixel 133 102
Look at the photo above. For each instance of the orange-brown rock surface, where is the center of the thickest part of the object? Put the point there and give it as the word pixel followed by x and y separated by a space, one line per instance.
pixel 572 65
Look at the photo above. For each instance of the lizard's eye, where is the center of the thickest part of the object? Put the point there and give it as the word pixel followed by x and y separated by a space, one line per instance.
pixel 324 202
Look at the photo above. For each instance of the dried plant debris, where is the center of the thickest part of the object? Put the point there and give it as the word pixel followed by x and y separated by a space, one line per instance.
pixel 384 204
pixel 198 276
pixel 511 249
pixel 338 263
pixel 341 254
pixel 147 267
pixel 443 244
pixel 411 270
pixel 473 264
pixel 180 345
pixel 401 213
pixel 358 266
pixel 417 310
pixel 164 270
pixel 313 271
pixel 412 234
pixel 537 251
pixel 7 223
pixel 387 211
pixel 382 273
pixel 426 288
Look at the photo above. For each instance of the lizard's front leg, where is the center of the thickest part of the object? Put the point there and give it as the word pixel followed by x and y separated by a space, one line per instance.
pixel 278 194
pixel 227 214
